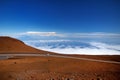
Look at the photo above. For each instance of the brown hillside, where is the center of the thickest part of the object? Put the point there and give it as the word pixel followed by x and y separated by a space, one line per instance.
pixel 8 44
pixel 53 68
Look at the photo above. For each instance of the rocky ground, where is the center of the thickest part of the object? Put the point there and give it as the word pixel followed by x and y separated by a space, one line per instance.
pixel 36 75
pixel 50 68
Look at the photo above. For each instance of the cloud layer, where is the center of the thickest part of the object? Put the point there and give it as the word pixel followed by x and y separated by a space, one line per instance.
pixel 66 35
pixel 96 43
pixel 68 47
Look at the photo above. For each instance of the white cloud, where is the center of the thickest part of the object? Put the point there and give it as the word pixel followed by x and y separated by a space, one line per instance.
pixel 94 35
pixel 98 49
pixel 106 46
pixel 38 34
pixel 85 51
pixel 66 35
pixel 45 41
pixel 102 48
pixel 75 35
pixel 32 33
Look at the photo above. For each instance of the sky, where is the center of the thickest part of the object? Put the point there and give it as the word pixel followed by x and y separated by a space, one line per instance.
pixel 64 26
pixel 62 16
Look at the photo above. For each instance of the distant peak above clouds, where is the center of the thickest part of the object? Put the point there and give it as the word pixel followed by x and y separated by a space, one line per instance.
pixel 40 33
pixel 66 35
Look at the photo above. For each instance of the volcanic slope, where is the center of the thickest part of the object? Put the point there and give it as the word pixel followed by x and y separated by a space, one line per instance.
pixel 53 67
pixel 12 45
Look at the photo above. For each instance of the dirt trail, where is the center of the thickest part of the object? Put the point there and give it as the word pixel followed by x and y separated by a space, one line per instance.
pixel 59 56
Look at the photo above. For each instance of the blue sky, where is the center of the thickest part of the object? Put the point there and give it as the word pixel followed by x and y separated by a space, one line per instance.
pixel 64 26
pixel 63 16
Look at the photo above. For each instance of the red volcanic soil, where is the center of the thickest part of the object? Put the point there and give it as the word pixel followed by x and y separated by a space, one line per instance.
pixel 12 45
pixel 53 68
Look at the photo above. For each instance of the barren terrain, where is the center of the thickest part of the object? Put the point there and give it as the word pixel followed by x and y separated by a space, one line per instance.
pixel 54 67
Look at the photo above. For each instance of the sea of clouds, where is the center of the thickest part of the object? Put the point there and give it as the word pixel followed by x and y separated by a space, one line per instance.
pixel 95 43
pixel 76 47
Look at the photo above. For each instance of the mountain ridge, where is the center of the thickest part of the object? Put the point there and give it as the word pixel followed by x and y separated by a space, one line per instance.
pixel 12 45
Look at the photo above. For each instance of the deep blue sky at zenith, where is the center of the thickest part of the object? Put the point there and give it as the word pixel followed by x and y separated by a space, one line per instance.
pixel 70 16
